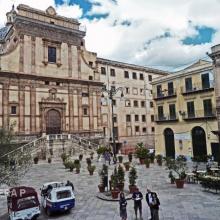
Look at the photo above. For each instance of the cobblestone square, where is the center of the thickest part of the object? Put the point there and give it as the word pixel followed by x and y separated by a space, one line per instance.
pixel 190 203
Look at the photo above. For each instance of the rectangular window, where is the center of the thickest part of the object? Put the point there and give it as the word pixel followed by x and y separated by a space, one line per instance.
pixel 90 63
pixel 47 83
pixel 128 118
pixel 188 84
pixel 85 111
pixel 143 118
pixel 113 88
pixel 172 110
pixel 112 72
pixel 13 110
pixel 190 109
pixel 136 117
pixel 151 104
pixel 141 91
pixel 141 76
pixel 127 89
pixel 126 74
pixel 85 94
pixel 52 54
pixel 205 81
pixel 144 129
pixel 152 129
pixel 134 75
pixel 149 78
pixel 159 91
pixel 207 104
pixel 160 113
pixel 135 103
pixel 136 128
pixel 142 103
pixel 135 91
pixel 152 118
pixel 127 103
pixel 170 88
pixel 103 71
pixel 115 118
pixel 116 133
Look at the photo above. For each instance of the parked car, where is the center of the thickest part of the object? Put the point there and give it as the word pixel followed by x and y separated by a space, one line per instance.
pixel 57 197
pixel 23 203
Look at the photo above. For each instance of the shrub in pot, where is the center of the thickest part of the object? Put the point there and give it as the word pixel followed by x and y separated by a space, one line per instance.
pixel 64 157
pixel 159 159
pixel 132 179
pixel 114 180
pixel 172 178
pixel 179 167
pixel 77 166
pixel 152 157
pixel 127 166
pixel 121 178
pixel 130 156
pixel 102 173
pixel 91 169
pixel 120 159
pixel 71 165
pixel 66 164
pixel 49 160
pixel 147 162
pixel 88 161
pixel 141 152
pixel 36 159
pixel 80 157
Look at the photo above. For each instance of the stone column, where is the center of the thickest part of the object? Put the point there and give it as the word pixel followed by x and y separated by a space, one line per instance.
pixel 69 60
pixel 98 99
pixel 5 105
pixel 33 46
pixel 79 62
pixel 71 115
pixel 33 109
pixel 21 55
pixel 80 110
pixel 21 108
pixel 91 117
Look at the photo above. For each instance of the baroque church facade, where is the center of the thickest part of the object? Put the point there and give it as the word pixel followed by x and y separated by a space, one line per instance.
pixel 50 83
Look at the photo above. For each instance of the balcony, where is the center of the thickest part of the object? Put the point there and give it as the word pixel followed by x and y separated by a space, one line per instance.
pixel 166 118
pixel 199 114
pixel 198 88
pixel 165 94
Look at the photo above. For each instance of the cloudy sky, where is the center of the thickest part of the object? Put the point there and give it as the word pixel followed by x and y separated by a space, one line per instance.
pixel 164 34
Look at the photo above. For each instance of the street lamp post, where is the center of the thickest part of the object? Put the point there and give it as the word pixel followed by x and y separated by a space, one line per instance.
pixel 111 93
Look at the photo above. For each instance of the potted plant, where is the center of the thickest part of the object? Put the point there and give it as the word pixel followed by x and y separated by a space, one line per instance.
pixel 159 159
pixel 66 164
pixel 114 180
pixel 147 162
pixel 80 157
pixel 179 167
pixel 71 165
pixel 121 178
pixel 88 161
pixel 77 165
pixel 152 156
pixel 120 159
pixel 49 160
pixel 141 152
pixel 130 157
pixel 64 156
pixel 36 159
pixel 132 179
pixel 172 178
pixel 127 165
pixel 91 169
pixel 102 173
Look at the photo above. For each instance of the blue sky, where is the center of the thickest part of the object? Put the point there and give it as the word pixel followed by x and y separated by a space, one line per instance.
pixel 160 34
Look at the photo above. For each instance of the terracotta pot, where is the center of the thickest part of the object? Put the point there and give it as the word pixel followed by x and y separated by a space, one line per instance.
pixel 101 188
pixel 141 160
pixel 147 165
pixel 115 193
pixel 91 173
pixel 132 188
pixel 127 168
pixel 121 186
pixel 172 181
pixel 77 171
pixel 159 163
pixel 179 183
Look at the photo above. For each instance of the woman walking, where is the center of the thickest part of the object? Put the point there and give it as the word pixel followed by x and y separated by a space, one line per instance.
pixel 123 205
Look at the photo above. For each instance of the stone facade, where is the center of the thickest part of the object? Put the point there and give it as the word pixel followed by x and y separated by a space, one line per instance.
pixel 51 83
pixel 185 112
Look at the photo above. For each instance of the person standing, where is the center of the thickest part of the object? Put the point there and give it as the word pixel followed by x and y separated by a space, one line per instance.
pixel 137 197
pixel 68 183
pixel 154 203
pixel 122 206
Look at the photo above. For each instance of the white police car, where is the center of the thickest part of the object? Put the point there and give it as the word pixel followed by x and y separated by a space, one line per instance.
pixel 57 197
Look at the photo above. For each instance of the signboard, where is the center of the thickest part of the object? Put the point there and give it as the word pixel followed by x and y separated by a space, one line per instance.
pixel 182 136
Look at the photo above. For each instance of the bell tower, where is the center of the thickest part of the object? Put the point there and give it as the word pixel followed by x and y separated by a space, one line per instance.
pixel 11 16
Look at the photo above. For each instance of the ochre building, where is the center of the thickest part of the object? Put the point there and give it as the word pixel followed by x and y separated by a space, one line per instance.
pixel 185 112
pixel 49 82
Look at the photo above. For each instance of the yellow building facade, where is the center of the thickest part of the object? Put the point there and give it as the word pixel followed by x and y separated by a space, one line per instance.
pixel 185 112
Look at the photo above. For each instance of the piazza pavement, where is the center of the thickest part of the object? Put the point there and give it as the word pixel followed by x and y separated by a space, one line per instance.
pixel 190 203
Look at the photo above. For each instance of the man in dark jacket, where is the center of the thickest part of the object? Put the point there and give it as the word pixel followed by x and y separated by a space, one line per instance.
pixel 137 197
pixel 153 202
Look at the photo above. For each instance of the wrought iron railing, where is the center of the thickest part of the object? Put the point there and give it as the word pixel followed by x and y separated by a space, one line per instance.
pixel 166 117
pixel 165 94
pixel 198 87
pixel 199 114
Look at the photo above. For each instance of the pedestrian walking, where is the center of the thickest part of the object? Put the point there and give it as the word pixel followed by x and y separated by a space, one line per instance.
pixel 154 203
pixel 68 183
pixel 122 206
pixel 137 197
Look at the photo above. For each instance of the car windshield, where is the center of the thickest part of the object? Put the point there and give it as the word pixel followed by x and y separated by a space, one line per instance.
pixel 27 202
pixel 63 194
